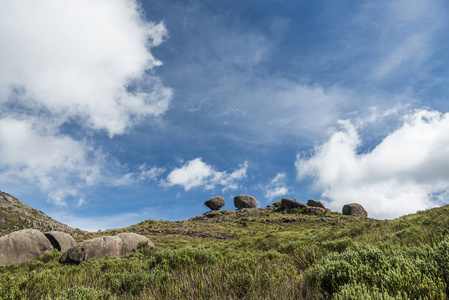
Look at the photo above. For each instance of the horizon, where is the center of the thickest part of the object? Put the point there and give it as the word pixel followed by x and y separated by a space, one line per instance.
pixel 123 110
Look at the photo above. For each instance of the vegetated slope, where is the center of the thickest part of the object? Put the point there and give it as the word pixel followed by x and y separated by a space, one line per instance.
pixel 257 254
pixel 16 215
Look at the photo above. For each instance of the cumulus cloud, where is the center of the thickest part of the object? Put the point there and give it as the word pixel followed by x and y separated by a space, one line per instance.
pixel 407 171
pixel 84 62
pixel 277 187
pixel 82 59
pixel 38 154
pixel 195 173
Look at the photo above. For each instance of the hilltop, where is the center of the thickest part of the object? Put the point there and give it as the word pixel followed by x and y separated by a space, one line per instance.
pixel 255 253
pixel 16 215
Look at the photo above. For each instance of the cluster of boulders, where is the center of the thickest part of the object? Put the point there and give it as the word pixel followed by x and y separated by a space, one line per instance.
pixel 312 205
pixel 245 201
pixel 240 201
pixel 29 244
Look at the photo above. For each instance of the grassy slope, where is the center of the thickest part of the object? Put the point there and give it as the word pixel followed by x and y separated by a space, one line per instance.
pixel 257 254
pixel 16 215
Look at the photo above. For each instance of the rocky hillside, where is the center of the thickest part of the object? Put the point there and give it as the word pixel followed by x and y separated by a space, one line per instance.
pixel 16 215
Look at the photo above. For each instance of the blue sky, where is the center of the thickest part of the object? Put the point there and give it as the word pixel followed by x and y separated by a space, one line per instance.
pixel 117 111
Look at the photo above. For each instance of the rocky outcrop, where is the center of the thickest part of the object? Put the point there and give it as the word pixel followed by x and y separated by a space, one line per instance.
pixel 60 240
pixel 245 201
pixel 291 203
pixel 15 214
pixel 354 209
pixel 215 203
pixel 22 246
pixel 117 246
pixel 315 203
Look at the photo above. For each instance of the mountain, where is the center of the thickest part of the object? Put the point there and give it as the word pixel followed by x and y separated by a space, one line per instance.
pixel 16 215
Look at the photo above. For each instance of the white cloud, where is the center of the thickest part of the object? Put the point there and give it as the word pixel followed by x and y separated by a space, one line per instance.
pixel 150 174
pixel 195 173
pixel 82 59
pixel 37 154
pixel 407 171
pixel 407 33
pixel 277 187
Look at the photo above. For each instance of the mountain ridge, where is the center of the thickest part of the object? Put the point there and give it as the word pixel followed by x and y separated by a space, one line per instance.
pixel 16 215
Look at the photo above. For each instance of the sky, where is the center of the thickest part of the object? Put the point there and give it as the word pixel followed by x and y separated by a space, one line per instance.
pixel 118 111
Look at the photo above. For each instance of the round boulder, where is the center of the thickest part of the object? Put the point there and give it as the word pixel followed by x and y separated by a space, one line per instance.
pixel 60 240
pixel 116 246
pixel 354 209
pixel 315 203
pixel 23 245
pixel 215 203
pixel 245 201
pixel 291 203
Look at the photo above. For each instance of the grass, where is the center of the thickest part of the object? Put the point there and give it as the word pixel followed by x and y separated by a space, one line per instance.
pixel 256 254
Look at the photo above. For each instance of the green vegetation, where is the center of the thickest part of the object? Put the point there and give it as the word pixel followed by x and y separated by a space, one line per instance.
pixel 256 254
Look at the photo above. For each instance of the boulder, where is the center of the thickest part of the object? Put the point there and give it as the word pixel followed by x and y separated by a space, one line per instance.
pixel 60 240
pixel 117 246
pixel 291 203
pixel 130 241
pixel 23 245
pixel 328 210
pixel 315 203
pixel 215 203
pixel 317 210
pixel 354 209
pixel 245 201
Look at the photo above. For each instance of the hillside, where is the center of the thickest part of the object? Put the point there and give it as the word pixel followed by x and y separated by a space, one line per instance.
pixel 261 253
pixel 16 215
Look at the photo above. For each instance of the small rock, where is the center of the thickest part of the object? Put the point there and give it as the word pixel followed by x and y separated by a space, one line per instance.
pixel 354 209
pixel 245 201
pixel 315 203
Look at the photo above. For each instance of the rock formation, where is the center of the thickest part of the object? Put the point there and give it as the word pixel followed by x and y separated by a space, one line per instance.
pixel 315 203
pixel 60 240
pixel 215 203
pixel 22 246
pixel 245 201
pixel 117 246
pixel 291 203
pixel 354 209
